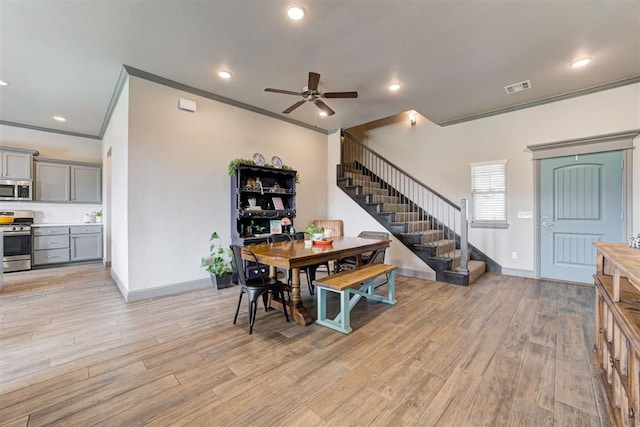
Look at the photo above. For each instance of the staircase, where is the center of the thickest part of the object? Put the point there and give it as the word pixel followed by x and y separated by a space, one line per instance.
pixel 432 227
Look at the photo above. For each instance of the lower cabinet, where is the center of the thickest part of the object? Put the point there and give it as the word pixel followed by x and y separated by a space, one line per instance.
pixel 58 245
pixel 86 242
pixel 50 245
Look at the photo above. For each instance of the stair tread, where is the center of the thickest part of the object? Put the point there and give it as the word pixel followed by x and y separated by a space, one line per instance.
pixel 476 269
pixel 442 242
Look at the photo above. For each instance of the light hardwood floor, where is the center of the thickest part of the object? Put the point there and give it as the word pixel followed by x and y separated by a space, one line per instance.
pixel 505 351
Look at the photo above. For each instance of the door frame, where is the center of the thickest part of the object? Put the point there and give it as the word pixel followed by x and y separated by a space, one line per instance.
pixel 621 141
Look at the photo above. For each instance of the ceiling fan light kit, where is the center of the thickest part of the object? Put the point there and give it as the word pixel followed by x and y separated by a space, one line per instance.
pixel 310 93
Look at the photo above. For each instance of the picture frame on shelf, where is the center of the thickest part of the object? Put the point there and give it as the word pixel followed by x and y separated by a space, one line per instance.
pixel 275 226
pixel 277 203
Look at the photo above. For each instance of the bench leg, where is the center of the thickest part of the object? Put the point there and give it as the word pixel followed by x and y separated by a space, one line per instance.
pixel 391 284
pixel 342 323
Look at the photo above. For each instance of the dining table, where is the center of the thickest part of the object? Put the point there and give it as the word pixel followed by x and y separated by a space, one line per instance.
pixel 294 255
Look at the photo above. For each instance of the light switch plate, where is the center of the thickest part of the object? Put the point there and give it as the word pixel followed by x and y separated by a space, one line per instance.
pixel 525 214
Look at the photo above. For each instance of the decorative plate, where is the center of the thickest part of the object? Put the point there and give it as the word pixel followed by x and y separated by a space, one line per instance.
pixel 322 242
pixel 277 162
pixel 258 159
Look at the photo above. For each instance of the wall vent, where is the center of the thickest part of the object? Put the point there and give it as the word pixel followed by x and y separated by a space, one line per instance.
pixel 518 87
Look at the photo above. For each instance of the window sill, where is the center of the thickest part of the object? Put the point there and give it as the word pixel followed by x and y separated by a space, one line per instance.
pixel 501 225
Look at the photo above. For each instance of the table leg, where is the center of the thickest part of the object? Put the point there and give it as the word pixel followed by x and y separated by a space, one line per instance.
pixel 298 311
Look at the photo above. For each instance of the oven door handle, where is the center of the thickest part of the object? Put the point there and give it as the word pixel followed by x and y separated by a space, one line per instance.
pixel 17 233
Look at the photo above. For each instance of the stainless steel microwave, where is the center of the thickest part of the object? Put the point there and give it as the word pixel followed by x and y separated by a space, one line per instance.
pixel 15 190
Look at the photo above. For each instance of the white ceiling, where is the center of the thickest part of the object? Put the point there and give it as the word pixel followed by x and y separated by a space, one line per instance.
pixel 452 57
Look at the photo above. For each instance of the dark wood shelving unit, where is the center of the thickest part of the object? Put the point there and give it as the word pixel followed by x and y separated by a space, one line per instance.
pixel 262 184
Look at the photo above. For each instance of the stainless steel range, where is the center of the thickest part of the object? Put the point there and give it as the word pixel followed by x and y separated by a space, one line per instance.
pixel 17 240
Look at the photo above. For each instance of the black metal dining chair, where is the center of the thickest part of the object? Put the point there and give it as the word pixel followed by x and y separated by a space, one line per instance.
pixel 375 257
pixel 275 238
pixel 254 288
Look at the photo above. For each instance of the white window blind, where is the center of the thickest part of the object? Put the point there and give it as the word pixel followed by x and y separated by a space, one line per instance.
pixel 489 191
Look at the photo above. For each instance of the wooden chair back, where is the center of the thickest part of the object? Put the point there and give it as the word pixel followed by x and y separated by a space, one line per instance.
pixel 336 225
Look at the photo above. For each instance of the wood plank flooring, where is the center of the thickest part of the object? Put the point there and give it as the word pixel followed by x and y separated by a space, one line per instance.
pixel 505 351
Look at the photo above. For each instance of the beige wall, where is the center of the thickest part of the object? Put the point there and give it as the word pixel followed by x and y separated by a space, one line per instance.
pixel 178 186
pixel 440 157
pixel 115 191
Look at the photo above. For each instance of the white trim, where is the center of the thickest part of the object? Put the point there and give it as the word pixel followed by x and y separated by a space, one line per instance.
pixel 489 163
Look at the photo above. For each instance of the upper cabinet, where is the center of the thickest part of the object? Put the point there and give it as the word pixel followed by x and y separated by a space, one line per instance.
pixel 86 184
pixel 16 164
pixel 76 182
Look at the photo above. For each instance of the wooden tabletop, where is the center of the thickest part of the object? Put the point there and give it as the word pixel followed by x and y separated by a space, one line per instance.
pixel 293 254
pixel 624 258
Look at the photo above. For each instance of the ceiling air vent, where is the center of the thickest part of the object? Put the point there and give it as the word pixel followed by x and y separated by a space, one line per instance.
pixel 518 87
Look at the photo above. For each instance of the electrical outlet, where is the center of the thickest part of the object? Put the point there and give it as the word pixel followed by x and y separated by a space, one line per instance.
pixel 514 255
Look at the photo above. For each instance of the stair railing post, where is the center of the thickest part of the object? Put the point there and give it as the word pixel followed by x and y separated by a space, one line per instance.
pixel 464 242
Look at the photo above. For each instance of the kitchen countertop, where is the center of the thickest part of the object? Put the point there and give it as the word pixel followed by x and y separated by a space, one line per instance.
pixel 66 224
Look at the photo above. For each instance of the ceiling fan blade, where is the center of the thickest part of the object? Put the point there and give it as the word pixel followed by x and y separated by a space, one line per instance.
pixel 314 79
pixel 293 107
pixel 340 95
pixel 324 107
pixel 286 92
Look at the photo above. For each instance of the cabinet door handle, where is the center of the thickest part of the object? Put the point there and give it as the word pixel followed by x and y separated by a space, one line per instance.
pixel 52 256
pixel 53 243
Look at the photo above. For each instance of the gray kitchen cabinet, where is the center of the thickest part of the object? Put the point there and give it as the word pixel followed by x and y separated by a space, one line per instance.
pixel 86 242
pixel 53 182
pixel 61 244
pixel 50 245
pixel 16 164
pixel 85 184
pixel 76 182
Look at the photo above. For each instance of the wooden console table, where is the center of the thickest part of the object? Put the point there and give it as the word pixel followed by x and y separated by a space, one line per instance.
pixel 617 282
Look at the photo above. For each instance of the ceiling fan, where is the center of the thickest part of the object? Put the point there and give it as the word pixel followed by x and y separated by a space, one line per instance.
pixel 310 93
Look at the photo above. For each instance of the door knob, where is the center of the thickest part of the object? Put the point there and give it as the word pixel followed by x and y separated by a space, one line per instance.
pixel 547 224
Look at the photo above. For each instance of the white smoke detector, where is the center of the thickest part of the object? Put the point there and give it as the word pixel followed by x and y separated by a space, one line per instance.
pixel 518 87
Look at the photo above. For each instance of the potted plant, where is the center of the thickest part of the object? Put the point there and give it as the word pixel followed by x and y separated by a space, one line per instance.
pixel 218 263
pixel 99 216
pixel 317 233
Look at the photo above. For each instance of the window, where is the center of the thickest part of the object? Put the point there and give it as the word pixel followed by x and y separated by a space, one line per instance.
pixel 489 194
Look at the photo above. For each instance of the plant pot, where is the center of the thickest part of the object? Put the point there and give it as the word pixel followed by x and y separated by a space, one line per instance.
pixel 221 282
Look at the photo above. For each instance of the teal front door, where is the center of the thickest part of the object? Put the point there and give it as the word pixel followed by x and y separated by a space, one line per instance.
pixel 581 202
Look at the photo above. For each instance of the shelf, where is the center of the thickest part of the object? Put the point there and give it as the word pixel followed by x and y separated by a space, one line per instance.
pixel 267 193
pixel 267 190
pixel 264 213
pixel 263 187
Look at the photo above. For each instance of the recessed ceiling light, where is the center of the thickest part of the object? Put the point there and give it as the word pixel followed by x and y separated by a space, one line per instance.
pixel 323 113
pixel 295 12
pixel 3 83
pixel 225 74
pixel 394 86
pixel 580 62
pixel 59 118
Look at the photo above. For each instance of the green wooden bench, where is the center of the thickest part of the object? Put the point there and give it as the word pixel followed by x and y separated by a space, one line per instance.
pixel 344 284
